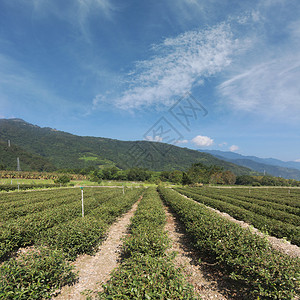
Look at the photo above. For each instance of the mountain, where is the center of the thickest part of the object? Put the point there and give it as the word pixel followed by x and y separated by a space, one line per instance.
pixel 274 167
pixel 280 163
pixel 65 150
pixel 29 161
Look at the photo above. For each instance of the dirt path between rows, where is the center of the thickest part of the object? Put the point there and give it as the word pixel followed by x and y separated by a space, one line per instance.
pixel 281 245
pixel 95 270
pixel 209 281
pixel 278 244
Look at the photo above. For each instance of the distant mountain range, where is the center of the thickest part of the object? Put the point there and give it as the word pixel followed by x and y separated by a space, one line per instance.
pixel 271 166
pixel 46 148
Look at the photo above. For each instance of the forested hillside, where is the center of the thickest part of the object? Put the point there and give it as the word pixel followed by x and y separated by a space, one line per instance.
pixel 65 150
pixel 28 161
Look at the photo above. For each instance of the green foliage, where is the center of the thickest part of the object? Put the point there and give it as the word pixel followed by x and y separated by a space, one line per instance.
pixel 13 187
pixel 186 179
pixel 138 174
pixel 65 150
pixel 147 235
pixel 199 173
pixel 35 275
pixel 247 257
pixel 79 236
pixel 265 181
pixel 63 179
pixel 28 160
pixel 147 277
pixel 262 215
pixel 96 176
pixel 32 226
pixel 146 271
pixel 61 228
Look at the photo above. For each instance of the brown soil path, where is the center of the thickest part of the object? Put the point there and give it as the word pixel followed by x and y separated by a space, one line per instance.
pixel 95 270
pixel 207 278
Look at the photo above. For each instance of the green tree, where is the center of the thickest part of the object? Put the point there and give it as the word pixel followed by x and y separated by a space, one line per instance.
pixel 63 179
pixel 186 179
pixel 228 177
pixel 176 176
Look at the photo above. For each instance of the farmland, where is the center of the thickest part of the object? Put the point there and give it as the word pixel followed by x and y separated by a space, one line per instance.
pixel 58 233
pixel 274 211
pixel 249 258
pixel 42 232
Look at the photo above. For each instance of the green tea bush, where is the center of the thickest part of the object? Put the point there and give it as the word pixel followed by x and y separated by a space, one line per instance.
pixel 268 224
pixel 146 271
pixel 35 275
pixel 248 257
pixel 147 277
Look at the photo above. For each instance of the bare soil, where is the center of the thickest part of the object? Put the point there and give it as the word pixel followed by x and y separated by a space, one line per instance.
pixel 95 270
pixel 208 278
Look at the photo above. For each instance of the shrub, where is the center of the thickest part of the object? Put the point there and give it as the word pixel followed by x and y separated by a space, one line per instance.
pixel 35 275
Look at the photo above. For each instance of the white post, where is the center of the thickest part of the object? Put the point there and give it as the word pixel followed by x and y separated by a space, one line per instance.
pixel 82 202
pixel 18 187
pixel 123 190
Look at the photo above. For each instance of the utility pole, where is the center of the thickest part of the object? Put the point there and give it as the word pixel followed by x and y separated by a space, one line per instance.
pixel 8 143
pixel 18 164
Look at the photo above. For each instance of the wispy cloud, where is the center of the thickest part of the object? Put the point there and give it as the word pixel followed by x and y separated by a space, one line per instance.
pixel 202 141
pixel 79 8
pixel 179 64
pixel 76 13
pixel 271 88
pixel 266 82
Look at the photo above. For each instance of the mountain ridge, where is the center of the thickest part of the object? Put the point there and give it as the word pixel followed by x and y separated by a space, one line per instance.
pixel 66 150
pixel 262 165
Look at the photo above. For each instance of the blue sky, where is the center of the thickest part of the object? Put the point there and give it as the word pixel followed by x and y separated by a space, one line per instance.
pixel 114 68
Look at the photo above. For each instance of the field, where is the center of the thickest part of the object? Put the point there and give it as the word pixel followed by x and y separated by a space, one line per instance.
pixel 21 184
pixel 43 231
pixel 274 211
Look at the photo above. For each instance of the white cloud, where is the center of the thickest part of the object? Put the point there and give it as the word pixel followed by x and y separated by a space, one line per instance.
pixel 157 138
pixel 234 148
pixel 202 141
pixel 297 160
pixel 181 142
pixel 180 63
